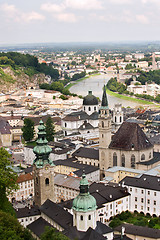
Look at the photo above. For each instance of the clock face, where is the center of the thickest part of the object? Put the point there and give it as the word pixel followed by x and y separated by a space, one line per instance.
pixel 46 168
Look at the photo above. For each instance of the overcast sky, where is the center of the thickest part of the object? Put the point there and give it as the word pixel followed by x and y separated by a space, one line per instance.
pixel 38 21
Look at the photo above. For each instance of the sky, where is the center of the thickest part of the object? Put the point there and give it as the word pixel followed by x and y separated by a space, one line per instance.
pixel 40 21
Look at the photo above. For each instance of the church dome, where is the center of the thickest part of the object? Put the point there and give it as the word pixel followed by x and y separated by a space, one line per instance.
pixel 84 202
pixel 90 99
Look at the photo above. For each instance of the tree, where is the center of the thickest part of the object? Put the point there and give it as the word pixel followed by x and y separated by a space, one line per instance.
pixel 50 129
pixel 28 129
pixel 8 180
pixel 52 234
pixel 11 229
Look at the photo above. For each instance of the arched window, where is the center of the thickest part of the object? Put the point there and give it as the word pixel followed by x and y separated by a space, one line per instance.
pixel 65 124
pixel 142 157
pixel 120 119
pixel 114 159
pixel 47 181
pixel 123 160
pixel 81 217
pixel 89 217
pixel 133 161
pixel 94 108
pixel 115 119
pixel 89 109
pixel 102 124
pixel 150 155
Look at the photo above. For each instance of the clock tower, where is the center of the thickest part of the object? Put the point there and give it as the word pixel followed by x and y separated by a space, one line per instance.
pixel 43 169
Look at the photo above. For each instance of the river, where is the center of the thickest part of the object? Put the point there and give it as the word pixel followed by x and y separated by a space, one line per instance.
pixel 95 84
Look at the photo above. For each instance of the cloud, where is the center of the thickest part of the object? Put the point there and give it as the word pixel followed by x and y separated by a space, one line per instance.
pixel 84 4
pixel 121 2
pixel 142 19
pixel 15 14
pixel 55 8
pixel 66 17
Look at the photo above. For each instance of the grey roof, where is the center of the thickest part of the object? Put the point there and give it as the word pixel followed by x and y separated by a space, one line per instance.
pixel 92 234
pixel 145 181
pixel 27 212
pixel 94 116
pixel 57 214
pixel 139 231
pixel 76 116
pixel 4 126
pixel 130 136
pixel 74 163
pixel 102 228
pixel 38 226
pixel 155 139
pixel 90 153
pixel 86 126
pixel 67 181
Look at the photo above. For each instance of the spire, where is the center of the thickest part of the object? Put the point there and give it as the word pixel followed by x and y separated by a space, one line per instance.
pixel 104 103
pixel 42 150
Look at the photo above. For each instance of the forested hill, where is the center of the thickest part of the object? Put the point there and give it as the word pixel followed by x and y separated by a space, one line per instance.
pixel 29 63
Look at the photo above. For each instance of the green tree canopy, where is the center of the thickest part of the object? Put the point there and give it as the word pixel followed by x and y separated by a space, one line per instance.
pixel 10 228
pixel 50 130
pixel 28 129
pixel 8 180
pixel 52 234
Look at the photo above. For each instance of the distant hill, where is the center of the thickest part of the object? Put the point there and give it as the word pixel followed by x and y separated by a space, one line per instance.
pixel 19 70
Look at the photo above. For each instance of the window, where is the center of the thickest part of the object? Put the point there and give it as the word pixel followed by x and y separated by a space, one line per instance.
pixel 154 202
pixel 148 201
pixel 135 206
pixel 133 160
pixel 142 191
pixel 130 189
pixel 94 108
pixel 155 194
pixel 123 160
pixel 102 124
pixel 65 124
pixel 148 192
pixel 114 159
pixel 147 208
pixel 89 217
pixel 141 207
pixel 142 157
pixel 47 181
pixel 150 155
pixel 81 217
pixel 141 200
pixel 115 119
pixel 89 109
pixel 120 119
pixel 135 199
pixel 102 136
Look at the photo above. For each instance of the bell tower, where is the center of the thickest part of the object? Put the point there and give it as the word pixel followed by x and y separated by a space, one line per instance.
pixel 43 169
pixel 84 208
pixel 104 133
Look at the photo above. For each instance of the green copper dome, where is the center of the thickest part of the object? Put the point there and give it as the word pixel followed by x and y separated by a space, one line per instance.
pixel 84 202
pixel 42 150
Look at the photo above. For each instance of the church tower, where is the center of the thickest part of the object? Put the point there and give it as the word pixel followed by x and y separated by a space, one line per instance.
pixel 43 169
pixel 117 116
pixel 84 208
pixel 104 133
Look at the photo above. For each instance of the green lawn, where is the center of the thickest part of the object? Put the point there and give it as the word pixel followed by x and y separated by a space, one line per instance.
pixel 127 97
